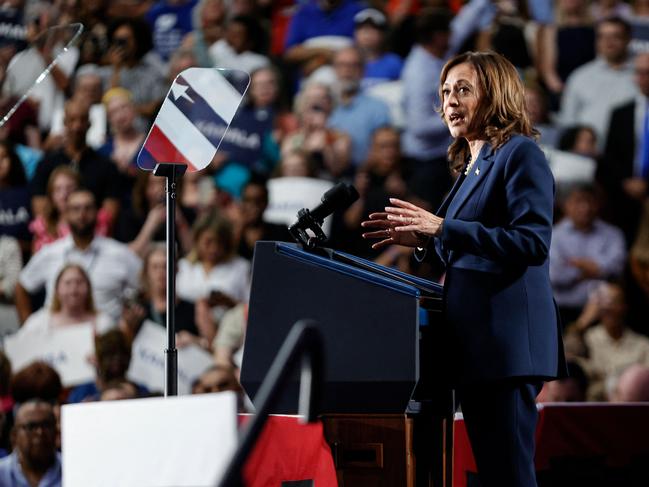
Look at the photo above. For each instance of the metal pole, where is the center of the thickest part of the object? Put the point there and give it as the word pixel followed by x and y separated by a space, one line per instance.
pixel 171 172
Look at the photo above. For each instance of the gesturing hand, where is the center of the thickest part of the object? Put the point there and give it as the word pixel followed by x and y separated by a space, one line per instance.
pixel 388 234
pixel 403 224
pixel 411 218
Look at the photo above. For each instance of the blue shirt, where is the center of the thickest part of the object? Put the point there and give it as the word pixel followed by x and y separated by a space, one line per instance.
pixel 311 21
pixel 604 244
pixel 11 473
pixel 169 24
pixel 425 135
pixel 386 68
pixel 360 118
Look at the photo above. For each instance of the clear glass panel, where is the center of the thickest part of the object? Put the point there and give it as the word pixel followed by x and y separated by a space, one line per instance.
pixel 193 118
pixel 28 69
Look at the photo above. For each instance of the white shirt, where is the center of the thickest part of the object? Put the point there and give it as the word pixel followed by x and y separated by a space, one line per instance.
pixel 225 57
pixel 593 91
pixel 111 266
pixel 41 321
pixel 96 135
pixel 25 68
pixel 231 278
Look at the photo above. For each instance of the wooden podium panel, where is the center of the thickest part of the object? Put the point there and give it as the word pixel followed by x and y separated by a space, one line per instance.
pixel 371 450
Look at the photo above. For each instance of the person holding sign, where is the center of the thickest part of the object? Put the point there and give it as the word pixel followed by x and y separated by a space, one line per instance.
pixel 72 304
pixel 493 234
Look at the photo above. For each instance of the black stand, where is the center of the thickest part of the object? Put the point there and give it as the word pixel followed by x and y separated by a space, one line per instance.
pixel 171 172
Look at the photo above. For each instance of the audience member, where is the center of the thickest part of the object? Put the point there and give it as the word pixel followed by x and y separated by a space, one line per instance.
pixel 182 59
pixel 625 166
pixel 93 42
pixel 380 178
pixel 36 381
pixel 34 460
pixel 356 114
pixel 14 196
pixel 632 385
pixel 251 141
pixel 153 302
pixel 126 137
pixel 317 29
pixel 22 130
pixel 566 45
pixel 217 378
pixel 119 390
pixel 611 73
pixel 505 34
pixel 329 148
pixel 143 221
pixel 208 18
pixel 537 109
pixel 425 136
pixel 581 140
pixel 129 41
pixel 252 226
pixel 87 89
pixel 369 34
pixel 52 226
pixel 240 46
pixel 11 262
pixel 610 346
pixel 212 270
pixel 296 163
pixel 229 338
pixel 112 267
pixel 97 173
pixel 113 356
pixel 72 304
pixel 584 250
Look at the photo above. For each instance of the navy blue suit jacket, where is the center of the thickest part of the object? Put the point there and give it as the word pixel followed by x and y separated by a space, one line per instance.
pixel 495 241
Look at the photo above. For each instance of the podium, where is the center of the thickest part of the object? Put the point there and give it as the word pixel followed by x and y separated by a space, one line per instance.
pixel 384 353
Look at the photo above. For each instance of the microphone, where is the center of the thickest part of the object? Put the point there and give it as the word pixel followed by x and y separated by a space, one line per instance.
pixel 339 197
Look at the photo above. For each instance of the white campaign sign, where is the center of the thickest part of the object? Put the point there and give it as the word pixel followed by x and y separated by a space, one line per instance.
pixel 66 349
pixel 148 360
pixel 287 196
pixel 570 168
pixel 155 442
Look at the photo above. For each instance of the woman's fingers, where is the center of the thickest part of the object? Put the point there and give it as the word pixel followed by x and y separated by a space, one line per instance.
pixel 404 204
pixel 377 234
pixel 376 224
pixel 382 243
pixel 390 210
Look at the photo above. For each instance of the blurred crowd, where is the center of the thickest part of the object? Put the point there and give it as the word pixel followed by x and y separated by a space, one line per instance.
pixel 340 90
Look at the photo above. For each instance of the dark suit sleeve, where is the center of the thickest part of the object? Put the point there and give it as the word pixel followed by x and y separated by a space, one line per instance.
pixel 523 235
pixel 617 161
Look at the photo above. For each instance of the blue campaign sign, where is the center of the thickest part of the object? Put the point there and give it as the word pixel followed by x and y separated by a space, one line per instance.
pixel 193 118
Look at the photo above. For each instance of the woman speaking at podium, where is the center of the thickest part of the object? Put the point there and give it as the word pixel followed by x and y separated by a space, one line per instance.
pixel 493 234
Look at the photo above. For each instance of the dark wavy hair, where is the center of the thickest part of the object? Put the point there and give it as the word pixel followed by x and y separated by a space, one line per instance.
pixel 141 34
pixel 16 176
pixel 502 111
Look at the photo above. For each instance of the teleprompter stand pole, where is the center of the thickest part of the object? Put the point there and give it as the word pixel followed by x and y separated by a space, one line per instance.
pixel 171 172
